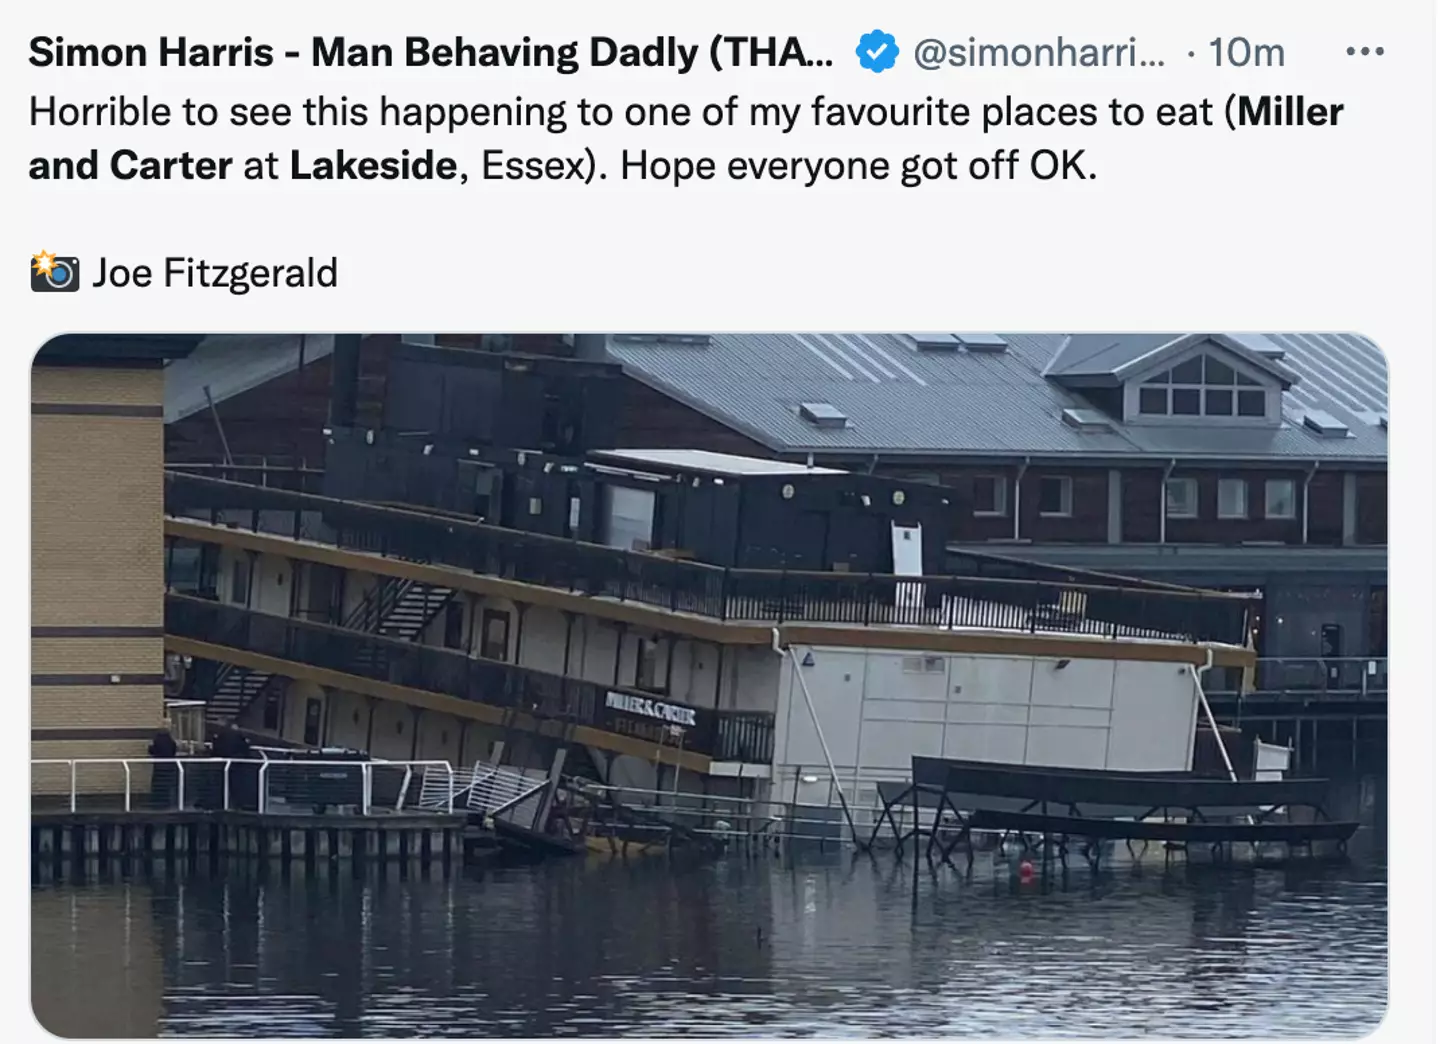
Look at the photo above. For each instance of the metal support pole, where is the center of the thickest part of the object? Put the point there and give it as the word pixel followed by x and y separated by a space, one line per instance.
pixel 569 629
pixel 179 787
pixel 819 732
pixel 219 428
pixel 619 648
pixel 915 826
pixel 520 609
pixel 1209 716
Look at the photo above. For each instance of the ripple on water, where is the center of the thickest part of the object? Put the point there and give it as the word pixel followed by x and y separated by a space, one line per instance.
pixel 830 949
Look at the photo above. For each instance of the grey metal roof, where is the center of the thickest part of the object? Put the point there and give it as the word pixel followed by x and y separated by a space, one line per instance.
pixel 903 401
pixel 232 364
pixel 1121 356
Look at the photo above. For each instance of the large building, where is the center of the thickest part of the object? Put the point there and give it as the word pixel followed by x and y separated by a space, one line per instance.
pixel 465 565
pixel 1254 464
pixel 1207 459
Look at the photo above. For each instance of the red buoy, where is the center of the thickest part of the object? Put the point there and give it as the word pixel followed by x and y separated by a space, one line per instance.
pixel 1027 870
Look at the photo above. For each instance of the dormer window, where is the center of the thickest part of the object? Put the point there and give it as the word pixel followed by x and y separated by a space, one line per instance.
pixel 1202 387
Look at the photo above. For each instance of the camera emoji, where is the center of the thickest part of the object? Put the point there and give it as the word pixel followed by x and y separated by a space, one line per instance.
pixel 50 274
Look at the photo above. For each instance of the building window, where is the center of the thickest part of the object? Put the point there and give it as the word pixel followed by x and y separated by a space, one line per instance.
pixel 1202 387
pixel 1182 498
pixel 647 665
pixel 1279 498
pixel 989 496
pixel 1234 498
pixel 629 518
pixel 1055 496
pixel 495 635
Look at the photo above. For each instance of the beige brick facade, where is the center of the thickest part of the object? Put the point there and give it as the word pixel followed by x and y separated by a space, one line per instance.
pixel 97 564
pixel 97 386
pixel 84 655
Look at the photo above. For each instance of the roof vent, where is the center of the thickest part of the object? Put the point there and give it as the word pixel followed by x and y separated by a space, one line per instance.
pixel 823 415
pixel 1087 420
pixel 1384 422
pixel 935 342
pixel 1324 425
pixel 1268 350
pixel 685 340
pixel 982 342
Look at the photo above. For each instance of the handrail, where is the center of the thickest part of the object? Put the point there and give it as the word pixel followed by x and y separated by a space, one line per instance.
pixel 263 767
pixel 1362 676
pixel 453 672
pixel 319 502
pixel 864 599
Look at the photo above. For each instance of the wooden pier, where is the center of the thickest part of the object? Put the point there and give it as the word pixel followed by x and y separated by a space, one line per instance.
pixel 287 838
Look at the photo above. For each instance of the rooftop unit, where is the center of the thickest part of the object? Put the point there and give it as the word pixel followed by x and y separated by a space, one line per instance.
pixel 1324 425
pixel 688 340
pixel 717 508
pixel 823 415
pixel 983 343
pixel 935 342
pixel 1087 420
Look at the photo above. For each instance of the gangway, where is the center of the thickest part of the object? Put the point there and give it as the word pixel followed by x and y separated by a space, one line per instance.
pixel 488 789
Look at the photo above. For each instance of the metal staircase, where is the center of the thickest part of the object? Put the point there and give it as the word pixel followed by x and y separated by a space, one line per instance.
pixel 235 689
pixel 412 608
pixel 395 608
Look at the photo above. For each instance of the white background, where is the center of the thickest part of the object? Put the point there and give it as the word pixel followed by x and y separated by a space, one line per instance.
pixel 1285 229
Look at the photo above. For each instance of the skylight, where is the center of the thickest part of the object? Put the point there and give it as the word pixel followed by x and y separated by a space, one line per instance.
pixel 982 342
pixel 686 340
pixel 823 415
pixel 1324 425
pixel 935 342
pixel 1087 420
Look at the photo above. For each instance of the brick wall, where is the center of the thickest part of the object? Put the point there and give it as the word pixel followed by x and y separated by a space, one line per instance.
pixel 97 612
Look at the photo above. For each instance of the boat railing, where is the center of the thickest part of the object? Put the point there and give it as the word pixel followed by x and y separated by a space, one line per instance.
pixel 1346 677
pixel 642 815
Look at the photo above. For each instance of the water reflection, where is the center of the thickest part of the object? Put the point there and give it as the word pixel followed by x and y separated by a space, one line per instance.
pixel 820 947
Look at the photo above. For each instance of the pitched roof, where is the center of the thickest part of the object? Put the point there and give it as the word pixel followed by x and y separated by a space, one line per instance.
pixel 1119 357
pixel 231 364
pixel 898 400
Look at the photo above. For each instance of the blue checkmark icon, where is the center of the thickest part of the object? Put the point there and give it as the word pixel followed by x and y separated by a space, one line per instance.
pixel 877 51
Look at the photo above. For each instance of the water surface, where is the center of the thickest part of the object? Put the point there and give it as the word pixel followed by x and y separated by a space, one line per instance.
pixel 820 946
